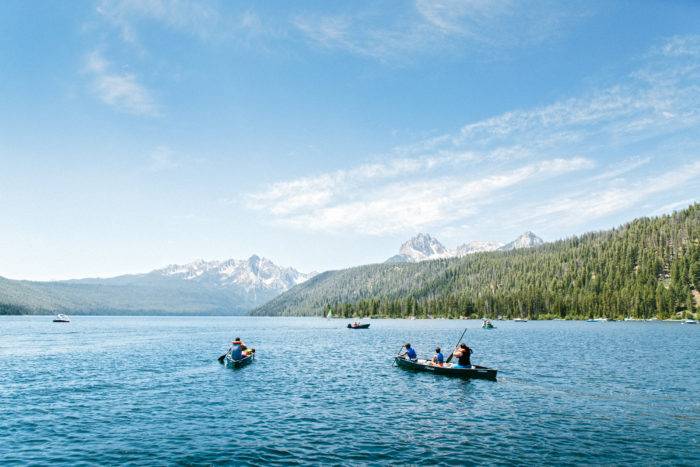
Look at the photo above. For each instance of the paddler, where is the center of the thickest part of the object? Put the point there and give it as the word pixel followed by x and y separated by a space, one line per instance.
pixel 237 348
pixel 463 354
pixel 410 352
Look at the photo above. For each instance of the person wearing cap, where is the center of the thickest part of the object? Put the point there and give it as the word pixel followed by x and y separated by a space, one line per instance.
pixel 410 352
pixel 237 348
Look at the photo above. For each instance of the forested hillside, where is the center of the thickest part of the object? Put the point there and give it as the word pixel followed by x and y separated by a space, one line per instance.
pixel 116 296
pixel 648 267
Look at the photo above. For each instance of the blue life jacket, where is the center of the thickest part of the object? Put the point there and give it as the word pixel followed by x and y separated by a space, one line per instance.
pixel 410 353
pixel 236 352
pixel 440 358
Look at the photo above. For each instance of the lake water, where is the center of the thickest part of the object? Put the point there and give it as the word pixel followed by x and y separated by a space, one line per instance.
pixel 149 391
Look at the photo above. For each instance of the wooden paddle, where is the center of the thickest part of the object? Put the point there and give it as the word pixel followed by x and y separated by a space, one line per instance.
pixel 453 352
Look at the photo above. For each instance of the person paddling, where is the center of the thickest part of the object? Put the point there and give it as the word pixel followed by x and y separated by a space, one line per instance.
pixel 410 353
pixel 463 354
pixel 237 348
pixel 439 358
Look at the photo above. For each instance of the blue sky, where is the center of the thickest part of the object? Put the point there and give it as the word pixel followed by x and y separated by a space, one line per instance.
pixel 135 134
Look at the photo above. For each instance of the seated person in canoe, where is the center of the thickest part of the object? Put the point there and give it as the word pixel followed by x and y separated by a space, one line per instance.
pixel 238 349
pixel 463 354
pixel 410 353
pixel 438 358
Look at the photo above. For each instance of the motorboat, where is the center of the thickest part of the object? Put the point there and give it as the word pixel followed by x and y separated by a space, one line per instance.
pixel 61 318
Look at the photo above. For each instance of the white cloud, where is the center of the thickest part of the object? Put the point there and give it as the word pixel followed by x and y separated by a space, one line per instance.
pixel 623 167
pixel 197 18
pixel 449 180
pixel 401 206
pixel 307 192
pixel 119 90
pixel 591 204
pixel 435 25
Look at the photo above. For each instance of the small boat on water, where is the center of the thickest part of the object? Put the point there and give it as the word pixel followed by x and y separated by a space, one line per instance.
pixel 487 324
pixel 61 318
pixel 448 369
pixel 230 362
pixel 520 320
pixel 358 325
pixel 690 321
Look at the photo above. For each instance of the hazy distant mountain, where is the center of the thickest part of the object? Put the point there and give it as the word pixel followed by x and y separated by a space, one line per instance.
pixel 420 248
pixel 424 247
pixel 254 273
pixel 231 287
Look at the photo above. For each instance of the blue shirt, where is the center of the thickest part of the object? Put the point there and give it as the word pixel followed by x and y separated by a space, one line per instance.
pixel 440 358
pixel 236 352
pixel 410 353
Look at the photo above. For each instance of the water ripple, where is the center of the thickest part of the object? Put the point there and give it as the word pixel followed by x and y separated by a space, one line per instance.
pixel 148 391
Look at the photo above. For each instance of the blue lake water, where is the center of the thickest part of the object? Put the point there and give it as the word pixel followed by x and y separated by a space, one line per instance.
pixel 149 391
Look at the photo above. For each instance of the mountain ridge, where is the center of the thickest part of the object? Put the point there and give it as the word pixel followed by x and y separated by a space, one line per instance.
pixel 224 287
pixel 424 247
pixel 645 268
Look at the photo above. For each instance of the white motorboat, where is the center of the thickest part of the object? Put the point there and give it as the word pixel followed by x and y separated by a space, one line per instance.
pixel 61 318
pixel 689 321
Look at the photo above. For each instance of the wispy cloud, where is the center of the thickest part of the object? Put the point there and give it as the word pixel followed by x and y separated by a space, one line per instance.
pixel 623 167
pixel 308 192
pixel 435 25
pixel 586 205
pixel 120 90
pixel 446 181
pixel 162 159
pixel 202 20
pixel 197 18
pixel 398 206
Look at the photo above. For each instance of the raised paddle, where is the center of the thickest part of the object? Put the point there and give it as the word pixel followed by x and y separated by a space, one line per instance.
pixel 453 352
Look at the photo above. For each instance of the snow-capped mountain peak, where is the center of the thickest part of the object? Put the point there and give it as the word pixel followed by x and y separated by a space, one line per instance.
pixel 476 246
pixel 526 240
pixel 419 248
pixel 251 274
pixel 424 247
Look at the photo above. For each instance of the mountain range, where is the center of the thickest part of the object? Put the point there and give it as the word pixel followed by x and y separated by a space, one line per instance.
pixel 227 287
pixel 424 247
pixel 649 267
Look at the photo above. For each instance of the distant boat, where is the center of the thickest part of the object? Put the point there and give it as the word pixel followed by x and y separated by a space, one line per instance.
pixel 690 321
pixel 520 320
pixel 358 326
pixel 487 324
pixel 60 318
